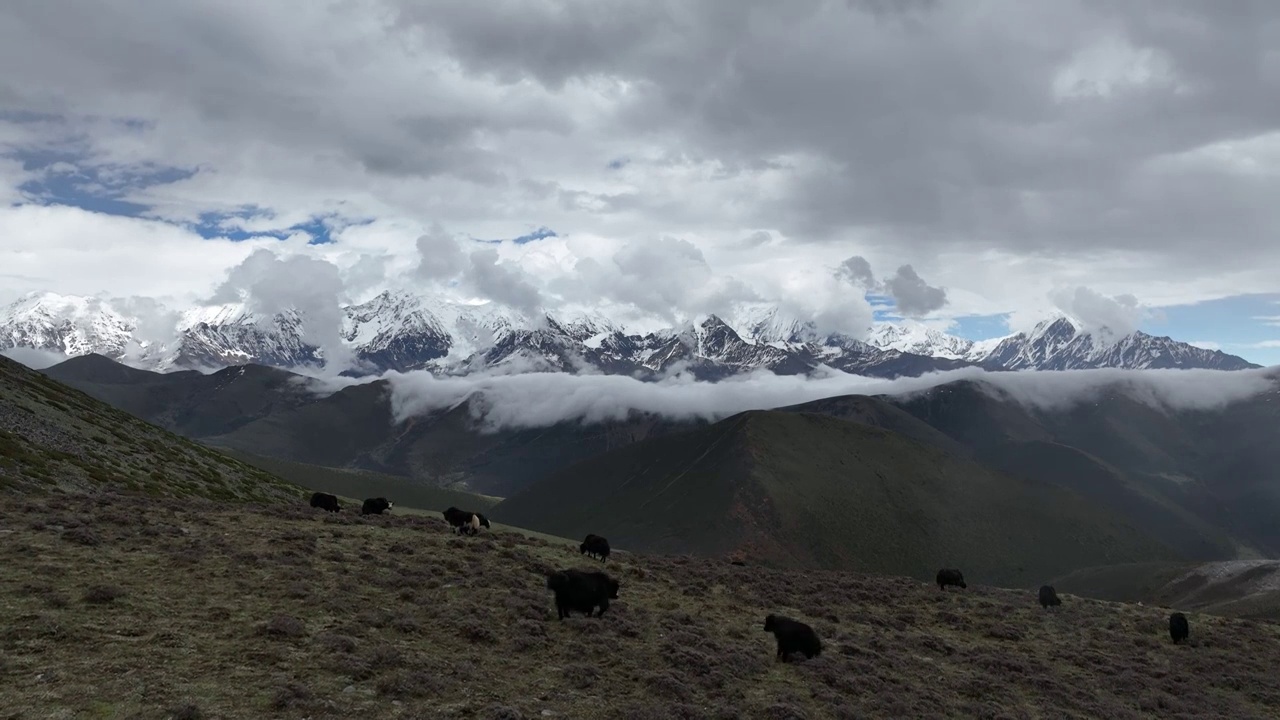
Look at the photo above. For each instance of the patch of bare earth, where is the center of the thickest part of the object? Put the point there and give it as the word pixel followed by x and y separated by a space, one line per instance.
pixel 124 607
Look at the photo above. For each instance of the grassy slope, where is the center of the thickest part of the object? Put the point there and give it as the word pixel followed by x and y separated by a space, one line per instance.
pixel 55 437
pixel 818 491
pixel 291 613
pixel 1195 475
pixel 360 484
pixel 1139 500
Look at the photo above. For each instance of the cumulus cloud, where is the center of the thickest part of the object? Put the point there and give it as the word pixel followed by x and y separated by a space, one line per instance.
pixel 440 255
pixel 544 399
pixel 912 295
pixel 155 324
pixel 270 285
pixel 503 282
pixel 1110 316
pixel 856 271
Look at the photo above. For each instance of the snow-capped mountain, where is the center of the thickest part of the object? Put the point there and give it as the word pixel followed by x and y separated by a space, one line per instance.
pixel 1059 344
pixel 402 331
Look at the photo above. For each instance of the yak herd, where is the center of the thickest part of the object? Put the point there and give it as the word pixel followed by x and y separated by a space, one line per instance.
pixel 590 592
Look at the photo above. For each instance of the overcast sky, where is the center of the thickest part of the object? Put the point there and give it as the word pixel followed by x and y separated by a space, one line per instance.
pixel 972 160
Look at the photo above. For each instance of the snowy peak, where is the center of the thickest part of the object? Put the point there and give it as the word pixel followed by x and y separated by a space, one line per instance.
pixel 918 339
pixel 69 325
pixel 399 330
pixel 1061 344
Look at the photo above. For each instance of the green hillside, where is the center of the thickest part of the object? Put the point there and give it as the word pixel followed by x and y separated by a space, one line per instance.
pixel 815 491
pixel 53 437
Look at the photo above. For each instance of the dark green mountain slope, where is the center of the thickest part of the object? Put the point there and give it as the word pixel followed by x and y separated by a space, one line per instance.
pixel 189 403
pixel 815 491
pixel 53 437
pixel 1210 477
pixel 355 428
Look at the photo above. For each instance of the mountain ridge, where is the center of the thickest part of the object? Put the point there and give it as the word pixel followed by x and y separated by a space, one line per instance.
pixel 401 331
pixel 805 489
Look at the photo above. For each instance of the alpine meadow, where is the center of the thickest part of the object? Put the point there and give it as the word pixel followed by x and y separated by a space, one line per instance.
pixel 620 360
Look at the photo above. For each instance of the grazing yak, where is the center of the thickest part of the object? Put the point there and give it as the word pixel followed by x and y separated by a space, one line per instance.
pixel 375 506
pixel 595 546
pixel 793 636
pixel 1178 628
pixel 1048 597
pixel 950 576
pixel 580 591
pixel 465 520
pixel 325 501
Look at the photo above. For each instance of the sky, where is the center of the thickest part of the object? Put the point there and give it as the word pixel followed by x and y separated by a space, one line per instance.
pixel 977 164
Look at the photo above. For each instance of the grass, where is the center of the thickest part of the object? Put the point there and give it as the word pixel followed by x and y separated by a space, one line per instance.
pixel 191 608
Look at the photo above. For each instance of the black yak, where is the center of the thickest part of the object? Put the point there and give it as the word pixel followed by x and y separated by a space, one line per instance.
pixel 579 591
pixel 1178 628
pixel 595 546
pixel 1048 597
pixel 465 520
pixel 375 506
pixel 793 636
pixel 949 576
pixel 325 501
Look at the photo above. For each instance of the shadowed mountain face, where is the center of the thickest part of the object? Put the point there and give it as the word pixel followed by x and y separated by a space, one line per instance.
pixel 814 491
pixel 1205 481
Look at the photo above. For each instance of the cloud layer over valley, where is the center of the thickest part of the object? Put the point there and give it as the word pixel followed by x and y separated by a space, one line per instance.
pixel 500 401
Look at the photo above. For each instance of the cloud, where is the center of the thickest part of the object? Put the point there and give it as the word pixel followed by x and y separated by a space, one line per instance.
pixel 441 257
pixel 912 296
pixel 1205 344
pixel 271 285
pixel 503 283
pixel 857 272
pixel 155 323
pixel 1115 316
pixel 544 399
pixel 33 358
pixel 1074 144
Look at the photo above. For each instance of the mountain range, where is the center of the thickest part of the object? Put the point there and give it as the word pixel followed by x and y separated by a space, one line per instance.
pixel 403 332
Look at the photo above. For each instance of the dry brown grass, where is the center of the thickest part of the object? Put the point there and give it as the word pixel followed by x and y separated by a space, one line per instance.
pixel 194 610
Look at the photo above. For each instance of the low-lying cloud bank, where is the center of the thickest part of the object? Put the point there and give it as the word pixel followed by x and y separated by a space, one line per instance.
pixel 544 399
pixel 33 358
